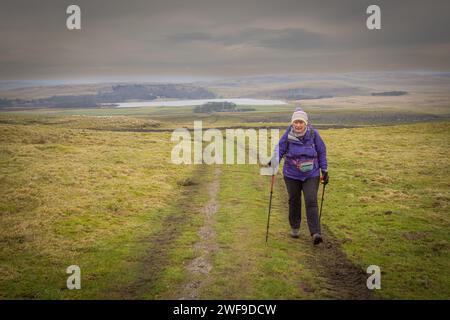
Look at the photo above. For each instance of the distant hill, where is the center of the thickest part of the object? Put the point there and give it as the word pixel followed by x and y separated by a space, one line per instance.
pixel 390 93
pixel 316 92
pixel 117 93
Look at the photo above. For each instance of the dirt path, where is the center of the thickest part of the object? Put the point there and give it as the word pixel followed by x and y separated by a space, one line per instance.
pixel 344 280
pixel 156 257
pixel 199 268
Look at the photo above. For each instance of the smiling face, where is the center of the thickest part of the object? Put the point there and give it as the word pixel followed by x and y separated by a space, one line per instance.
pixel 299 126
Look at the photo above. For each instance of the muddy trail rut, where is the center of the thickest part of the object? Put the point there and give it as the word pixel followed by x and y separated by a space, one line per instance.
pixel 343 279
pixel 160 244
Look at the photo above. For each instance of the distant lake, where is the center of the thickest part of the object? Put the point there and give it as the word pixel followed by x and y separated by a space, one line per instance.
pixel 198 102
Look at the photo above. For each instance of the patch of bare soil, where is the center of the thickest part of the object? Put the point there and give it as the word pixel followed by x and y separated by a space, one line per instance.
pixel 344 280
pixel 199 268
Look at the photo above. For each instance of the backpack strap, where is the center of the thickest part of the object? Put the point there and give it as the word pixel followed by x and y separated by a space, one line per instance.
pixel 287 138
pixel 313 137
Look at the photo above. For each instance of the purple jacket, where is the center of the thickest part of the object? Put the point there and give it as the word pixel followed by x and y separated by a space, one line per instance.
pixel 305 156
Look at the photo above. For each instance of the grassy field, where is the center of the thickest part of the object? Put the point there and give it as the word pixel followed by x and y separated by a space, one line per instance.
pixel 324 113
pixel 77 191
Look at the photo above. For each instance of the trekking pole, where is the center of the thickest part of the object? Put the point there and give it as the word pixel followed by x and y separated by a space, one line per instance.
pixel 321 202
pixel 270 205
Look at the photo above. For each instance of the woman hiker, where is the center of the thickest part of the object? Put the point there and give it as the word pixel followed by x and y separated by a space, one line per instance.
pixel 305 157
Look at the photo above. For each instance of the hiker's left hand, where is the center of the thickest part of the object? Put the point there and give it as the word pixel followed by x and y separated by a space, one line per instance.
pixel 325 179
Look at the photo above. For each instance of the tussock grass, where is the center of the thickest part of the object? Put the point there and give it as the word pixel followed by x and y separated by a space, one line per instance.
pixel 107 201
pixel 72 196
pixel 389 193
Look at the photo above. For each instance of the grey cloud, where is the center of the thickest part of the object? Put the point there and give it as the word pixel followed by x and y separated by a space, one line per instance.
pixel 190 37
pixel 291 38
pixel 218 37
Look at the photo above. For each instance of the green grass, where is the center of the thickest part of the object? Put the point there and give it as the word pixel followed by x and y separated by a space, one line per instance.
pixel 389 198
pixel 112 203
pixel 344 113
pixel 78 197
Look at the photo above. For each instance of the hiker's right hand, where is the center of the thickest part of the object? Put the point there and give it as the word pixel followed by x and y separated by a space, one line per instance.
pixel 267 165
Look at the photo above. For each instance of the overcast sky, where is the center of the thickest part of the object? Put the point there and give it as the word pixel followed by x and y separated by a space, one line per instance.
pixel 208 38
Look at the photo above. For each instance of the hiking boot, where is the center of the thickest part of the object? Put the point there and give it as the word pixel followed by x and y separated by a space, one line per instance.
pixel 317 238
pixel 295 233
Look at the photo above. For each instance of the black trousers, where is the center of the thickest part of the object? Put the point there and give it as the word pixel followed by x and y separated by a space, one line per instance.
pixel 309 187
